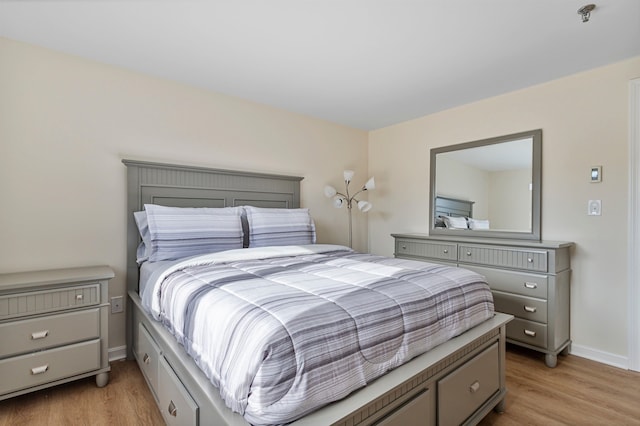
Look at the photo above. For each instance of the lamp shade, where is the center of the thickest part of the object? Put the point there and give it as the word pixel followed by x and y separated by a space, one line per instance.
pixel 329 191
pixel 371 184
pixel 348 175
pixel 364 206
pixel 338 202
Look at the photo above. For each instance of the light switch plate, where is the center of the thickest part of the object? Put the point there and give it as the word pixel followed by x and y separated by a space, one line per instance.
pixel 594 208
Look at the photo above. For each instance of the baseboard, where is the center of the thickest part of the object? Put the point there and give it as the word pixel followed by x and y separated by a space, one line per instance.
pixel 116 354
pixel 600 356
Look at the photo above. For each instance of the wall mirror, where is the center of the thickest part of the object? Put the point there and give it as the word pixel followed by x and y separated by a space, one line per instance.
pixel 489 188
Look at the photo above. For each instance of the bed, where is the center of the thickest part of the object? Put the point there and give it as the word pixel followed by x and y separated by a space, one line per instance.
pixel 457 381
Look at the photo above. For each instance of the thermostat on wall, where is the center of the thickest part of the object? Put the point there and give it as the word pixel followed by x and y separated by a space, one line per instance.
pixel 596 174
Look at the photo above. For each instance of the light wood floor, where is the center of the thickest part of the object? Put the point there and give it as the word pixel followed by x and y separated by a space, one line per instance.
pixel 576 392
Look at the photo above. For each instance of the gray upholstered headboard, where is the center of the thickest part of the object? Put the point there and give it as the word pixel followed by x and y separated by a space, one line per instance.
pixel 186 186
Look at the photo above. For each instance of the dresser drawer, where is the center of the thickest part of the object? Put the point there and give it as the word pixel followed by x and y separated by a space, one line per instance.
pixel 523 307
pixel 532 333
pixel 176 405
pixel 47 366
pixel 38 302
pixel 530 285
pixel 425 249
pixel 46 332
pixel 462 392
pixel 148 355
pixel 530 260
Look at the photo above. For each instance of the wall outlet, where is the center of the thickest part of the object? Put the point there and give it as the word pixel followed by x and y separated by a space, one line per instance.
pixel 117 304
pixel 594 208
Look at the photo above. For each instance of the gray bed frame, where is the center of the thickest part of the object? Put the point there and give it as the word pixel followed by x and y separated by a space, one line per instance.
pixel 414 393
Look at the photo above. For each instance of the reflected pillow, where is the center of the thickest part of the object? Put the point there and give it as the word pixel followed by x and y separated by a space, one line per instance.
pixel 177 232
pixel 478 223
pixel 455 222
pixel 279 227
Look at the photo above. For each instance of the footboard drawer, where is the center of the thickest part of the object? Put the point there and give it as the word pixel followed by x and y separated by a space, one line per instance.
pixel 148 355
pixel 462 392
pixel 176 405
pixel 417 411
pixel 47 366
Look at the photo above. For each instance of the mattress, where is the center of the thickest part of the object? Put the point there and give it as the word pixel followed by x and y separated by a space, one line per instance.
pixel 282 331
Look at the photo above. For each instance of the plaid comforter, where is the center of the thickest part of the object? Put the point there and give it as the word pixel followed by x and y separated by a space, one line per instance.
pixel 283 331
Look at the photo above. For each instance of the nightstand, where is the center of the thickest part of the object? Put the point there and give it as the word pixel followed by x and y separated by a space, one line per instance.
pixel 53 328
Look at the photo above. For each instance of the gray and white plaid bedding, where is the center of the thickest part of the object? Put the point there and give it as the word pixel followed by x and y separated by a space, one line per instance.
pixel 282 331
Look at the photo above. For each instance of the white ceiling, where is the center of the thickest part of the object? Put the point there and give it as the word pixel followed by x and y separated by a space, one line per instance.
pixel 362 63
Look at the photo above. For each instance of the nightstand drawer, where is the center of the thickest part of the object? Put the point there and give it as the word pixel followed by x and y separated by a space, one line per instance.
pixel 523 307
pixel 148 355
pixel 38 302
pixel 423 249
pixel 47 366
pixel 462 392
pixel 46 332
pixel 529 332
pixel 530 260
pixel 530 285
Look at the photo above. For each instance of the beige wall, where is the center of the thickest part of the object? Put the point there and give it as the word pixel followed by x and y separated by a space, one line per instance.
pixel 510 200
pixel 584 119
pixel 66 123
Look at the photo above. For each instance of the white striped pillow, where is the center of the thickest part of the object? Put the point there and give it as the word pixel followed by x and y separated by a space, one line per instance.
pixel 177 232
pixel 279 227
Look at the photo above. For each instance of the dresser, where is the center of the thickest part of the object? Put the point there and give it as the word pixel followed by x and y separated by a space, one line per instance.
pixel 53 328
pixel 530 280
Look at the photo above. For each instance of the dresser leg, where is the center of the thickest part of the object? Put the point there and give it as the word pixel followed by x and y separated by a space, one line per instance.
pixel 102 379
pixel 500 408
pixel 551 360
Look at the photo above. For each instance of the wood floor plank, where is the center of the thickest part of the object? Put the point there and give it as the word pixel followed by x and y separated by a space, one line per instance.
pixel 126 400
pixel 577 392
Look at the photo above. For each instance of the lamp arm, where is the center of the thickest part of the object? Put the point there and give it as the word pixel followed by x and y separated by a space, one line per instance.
pixel 354 195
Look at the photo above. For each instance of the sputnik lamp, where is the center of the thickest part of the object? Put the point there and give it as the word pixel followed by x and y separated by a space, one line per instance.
pixel 340 199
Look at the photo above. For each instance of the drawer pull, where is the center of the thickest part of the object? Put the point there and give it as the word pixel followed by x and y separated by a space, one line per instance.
pixel 530 259
pixel 39 370
pixel 445 251
pixel 173 410
pixel 146 359
pixel 474 387
pixel 530 333
pixel 404 247
pixel 79 297
pixel 530 309
pixel 531 286
pixel 39 334
pixel 468 253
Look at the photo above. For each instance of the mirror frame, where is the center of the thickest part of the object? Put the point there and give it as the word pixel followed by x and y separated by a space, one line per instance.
pixel 536 192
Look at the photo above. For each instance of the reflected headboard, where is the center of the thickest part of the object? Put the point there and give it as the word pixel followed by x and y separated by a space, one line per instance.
pixel 453 207
pixel 186 186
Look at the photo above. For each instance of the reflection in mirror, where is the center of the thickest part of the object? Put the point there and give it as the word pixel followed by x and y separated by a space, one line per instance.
pixel 488 188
